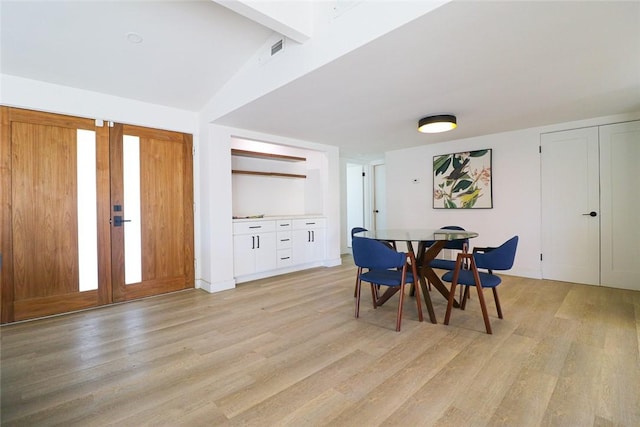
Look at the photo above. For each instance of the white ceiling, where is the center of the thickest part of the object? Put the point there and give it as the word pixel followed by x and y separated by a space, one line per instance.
pixel 190 48
pixel 497 65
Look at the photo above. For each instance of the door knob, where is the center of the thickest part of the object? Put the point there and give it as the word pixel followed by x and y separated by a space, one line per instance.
pixel 592 213
pixel 118 221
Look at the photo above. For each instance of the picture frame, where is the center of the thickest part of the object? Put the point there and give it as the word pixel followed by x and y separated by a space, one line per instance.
pixel 463 180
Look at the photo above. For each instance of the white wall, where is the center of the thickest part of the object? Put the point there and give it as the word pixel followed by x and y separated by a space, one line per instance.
pixel 516 190
pixel 36 95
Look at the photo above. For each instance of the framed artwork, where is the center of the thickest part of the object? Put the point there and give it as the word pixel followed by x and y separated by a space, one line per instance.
pixel 462 180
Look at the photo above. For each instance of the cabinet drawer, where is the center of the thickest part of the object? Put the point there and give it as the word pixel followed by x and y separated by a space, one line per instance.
pixel 283 239
pixel 303 224
pixel 251 227
pixel 283 224
pixel 284 258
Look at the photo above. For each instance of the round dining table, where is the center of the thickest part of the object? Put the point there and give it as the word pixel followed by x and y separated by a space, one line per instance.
pixel 430 244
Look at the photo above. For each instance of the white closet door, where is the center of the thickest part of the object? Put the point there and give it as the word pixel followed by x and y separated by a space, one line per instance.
pixel 355 198
pixel 570 192
pixel 379 197
pixel 620 200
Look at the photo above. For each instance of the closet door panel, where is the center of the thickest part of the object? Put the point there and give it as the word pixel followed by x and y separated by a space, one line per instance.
pixel 570 192
pixel 620 199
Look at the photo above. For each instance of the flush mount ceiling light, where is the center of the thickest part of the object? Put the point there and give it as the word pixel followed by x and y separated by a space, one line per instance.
pixel 134 38
pixel 435 124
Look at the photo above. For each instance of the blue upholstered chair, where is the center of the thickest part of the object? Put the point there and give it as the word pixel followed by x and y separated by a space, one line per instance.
pixel 457 245
pixel 385 267
pixel 491 259
pixel 355 230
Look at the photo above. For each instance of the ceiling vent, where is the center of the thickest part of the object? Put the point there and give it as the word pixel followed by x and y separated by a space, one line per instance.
pixel 277 47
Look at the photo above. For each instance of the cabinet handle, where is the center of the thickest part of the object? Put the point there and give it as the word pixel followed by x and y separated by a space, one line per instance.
pixel 313 235
pixel 284 225
pixel 258 237
pixel 310 223
pixel 253 242
pixel 284 240
pixel 283 258
pixel 255 226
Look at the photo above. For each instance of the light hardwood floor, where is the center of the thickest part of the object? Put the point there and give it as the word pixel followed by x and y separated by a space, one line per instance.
pixel 288 351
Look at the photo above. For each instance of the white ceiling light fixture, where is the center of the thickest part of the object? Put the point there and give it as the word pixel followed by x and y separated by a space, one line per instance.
pixel 436 124
pixel 134 38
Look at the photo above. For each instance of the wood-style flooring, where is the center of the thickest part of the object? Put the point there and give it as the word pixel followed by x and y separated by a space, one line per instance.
pixel 287 351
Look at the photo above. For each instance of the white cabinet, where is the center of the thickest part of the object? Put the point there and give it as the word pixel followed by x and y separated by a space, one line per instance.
pixel 308 240
pixel 266 247
pixel 254 247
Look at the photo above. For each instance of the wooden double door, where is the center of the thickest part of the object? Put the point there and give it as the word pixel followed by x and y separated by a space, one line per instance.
pixel 91 213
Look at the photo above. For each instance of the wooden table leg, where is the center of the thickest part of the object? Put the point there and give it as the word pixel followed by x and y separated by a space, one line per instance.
pixel 391 291
pixel 426 255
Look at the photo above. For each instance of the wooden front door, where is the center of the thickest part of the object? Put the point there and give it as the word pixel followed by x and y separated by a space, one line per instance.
pixel 55 214
pixel 64 242
pixel 152 211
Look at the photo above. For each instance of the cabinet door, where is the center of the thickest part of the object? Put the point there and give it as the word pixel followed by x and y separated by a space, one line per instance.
pixel 308 245
pixel 316 246
pixel 265 252
pixel 243 254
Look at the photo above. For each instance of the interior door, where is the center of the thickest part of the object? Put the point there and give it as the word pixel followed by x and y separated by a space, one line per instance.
pixel 379 197
pixel 619 183
pixel 55 214
pixel 571 206
pixel 151 211
pixel 355 199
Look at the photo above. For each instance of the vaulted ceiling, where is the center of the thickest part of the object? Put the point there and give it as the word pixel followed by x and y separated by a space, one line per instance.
pixel 498 66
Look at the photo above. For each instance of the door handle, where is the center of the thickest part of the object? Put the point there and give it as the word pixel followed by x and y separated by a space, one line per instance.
pixel 118 221
pixel 592 213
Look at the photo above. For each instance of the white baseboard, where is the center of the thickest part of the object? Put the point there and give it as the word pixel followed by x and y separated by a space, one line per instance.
pixel 215 287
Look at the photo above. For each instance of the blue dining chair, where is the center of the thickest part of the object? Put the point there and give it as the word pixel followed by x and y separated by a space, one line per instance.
pixel 355 230
pixel 500 258
pixel 385 267
pixel 461 245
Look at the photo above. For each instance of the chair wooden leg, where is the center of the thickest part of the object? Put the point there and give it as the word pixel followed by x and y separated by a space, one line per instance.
pixel 464 297
pixel 400 305
pixel 452 291
pixel 483 306
pixel 358 288
pixel 495 297
pixel 374 296
pixel 452 295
